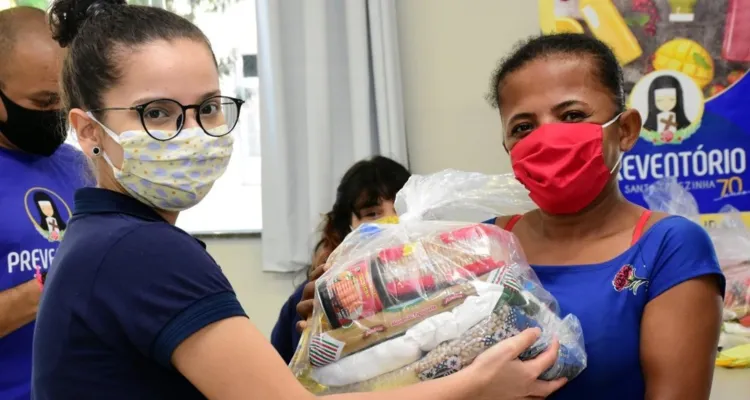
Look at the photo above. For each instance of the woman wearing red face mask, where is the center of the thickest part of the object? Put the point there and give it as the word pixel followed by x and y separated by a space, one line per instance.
pixel 646 286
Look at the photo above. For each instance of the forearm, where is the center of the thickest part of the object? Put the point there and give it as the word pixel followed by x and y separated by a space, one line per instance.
pixel 228 359
pixel 18 306
pixel 453 387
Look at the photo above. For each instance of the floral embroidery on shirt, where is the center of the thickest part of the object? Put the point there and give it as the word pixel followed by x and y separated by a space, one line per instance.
pixel 626 279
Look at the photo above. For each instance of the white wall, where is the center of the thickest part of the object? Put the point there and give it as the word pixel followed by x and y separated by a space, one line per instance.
pixel 449 49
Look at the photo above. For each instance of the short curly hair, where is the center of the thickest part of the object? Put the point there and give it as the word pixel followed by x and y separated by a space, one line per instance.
pixel 608 70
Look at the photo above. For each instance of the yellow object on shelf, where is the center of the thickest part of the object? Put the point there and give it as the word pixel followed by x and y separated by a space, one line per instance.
pixel 688 57
pixel 736 357
pixel 607 24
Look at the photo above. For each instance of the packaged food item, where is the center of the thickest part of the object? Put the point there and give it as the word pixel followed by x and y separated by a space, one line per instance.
pixel 420 299
pixel 385 324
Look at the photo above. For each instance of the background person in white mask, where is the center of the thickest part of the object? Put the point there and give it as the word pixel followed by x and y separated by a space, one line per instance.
pixel 135 308
pixel 38 175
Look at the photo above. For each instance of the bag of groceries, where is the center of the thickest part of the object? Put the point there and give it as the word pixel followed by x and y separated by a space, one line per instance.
pixel 418 298
pixel 732 242
pixel 731 239
pixel 667 195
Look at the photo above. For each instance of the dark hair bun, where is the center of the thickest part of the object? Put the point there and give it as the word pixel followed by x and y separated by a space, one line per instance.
pixel 66 17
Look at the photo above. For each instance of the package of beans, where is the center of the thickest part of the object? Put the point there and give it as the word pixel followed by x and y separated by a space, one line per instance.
pixel 421 296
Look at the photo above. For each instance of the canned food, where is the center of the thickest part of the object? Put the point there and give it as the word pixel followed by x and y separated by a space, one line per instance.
pixel 349 295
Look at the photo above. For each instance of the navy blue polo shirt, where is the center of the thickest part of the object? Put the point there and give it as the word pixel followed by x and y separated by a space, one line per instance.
pixel 285 336
pixel 124 290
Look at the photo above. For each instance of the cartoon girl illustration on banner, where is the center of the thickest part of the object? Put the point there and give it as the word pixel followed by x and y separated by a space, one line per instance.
pixel 50 219
pixel 666 107
pixel 51 214
pixel 671 105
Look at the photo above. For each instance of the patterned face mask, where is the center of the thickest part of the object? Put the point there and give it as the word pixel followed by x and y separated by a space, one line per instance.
pixel 173 175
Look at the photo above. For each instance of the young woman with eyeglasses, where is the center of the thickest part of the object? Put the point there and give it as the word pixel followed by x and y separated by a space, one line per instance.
pixel 135 308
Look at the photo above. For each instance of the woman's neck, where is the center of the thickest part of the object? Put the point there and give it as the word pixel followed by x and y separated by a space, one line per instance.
pixel 169 216
pixel 598 219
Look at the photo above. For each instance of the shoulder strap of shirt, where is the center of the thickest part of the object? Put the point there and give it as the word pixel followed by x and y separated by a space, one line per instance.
pixel 638 231
pixel 512 222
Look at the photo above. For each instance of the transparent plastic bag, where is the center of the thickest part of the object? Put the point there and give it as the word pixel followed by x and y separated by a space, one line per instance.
pixel 731 239
pixel 422 298
pixel 667 195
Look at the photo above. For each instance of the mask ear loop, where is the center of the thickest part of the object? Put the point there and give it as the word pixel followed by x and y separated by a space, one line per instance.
pixel 619 159
pixel 617 164
pixel 112 135
pixel 612 121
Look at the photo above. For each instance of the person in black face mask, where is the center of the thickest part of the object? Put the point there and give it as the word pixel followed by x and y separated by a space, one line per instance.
pixel 38 175
pixel 30 120
pixel 21 120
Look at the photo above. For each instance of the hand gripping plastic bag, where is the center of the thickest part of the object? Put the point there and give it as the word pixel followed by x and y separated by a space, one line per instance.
pixel 731 239
pixel 420 299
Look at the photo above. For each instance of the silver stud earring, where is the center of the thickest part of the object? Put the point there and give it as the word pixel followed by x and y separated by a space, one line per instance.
pixel 96 151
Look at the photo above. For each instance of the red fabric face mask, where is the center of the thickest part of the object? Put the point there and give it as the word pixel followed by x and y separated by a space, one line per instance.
pixel 562 165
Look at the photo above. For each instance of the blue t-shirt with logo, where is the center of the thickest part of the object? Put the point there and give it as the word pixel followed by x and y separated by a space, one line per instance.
pixel 36 196
pixel 609 300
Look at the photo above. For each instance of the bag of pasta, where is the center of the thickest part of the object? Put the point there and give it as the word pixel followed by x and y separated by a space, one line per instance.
pixel 419 298
pixel 730 236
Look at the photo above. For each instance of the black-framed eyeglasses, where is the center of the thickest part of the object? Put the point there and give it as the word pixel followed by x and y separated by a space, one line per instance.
pixel 163 119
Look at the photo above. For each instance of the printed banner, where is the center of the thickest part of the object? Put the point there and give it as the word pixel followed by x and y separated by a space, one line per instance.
pixel 684 63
